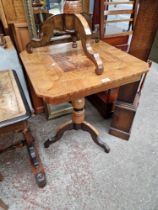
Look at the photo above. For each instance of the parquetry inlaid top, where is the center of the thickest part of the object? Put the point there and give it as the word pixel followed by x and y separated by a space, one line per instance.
pixel 61 73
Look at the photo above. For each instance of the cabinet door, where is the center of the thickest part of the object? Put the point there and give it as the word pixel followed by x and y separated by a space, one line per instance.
pixel 21 35
pixel 13 10
pixel 3 17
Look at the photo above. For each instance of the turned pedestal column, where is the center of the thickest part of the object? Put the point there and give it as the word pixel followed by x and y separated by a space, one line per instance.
pixel 77 123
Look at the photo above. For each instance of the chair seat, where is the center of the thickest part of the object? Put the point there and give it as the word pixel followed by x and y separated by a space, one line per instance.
pixel 13 105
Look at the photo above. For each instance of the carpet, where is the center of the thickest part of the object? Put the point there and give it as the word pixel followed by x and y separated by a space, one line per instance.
pixel 80 176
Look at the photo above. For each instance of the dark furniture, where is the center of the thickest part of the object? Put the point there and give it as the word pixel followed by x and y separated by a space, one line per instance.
pixel 115 22
pixel 128 97
pixel 145 27
pixel 14 113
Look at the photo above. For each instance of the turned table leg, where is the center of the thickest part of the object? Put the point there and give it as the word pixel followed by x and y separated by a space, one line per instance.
pixel 37 167
pixel 77 123
pixel 59 133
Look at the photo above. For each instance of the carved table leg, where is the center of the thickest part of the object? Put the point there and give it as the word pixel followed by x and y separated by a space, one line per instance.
pixel 77 123
pixel 35 160
pixel 59 133
pixel 95 136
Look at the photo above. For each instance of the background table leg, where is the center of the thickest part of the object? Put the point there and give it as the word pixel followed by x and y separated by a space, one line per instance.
pixel 35 160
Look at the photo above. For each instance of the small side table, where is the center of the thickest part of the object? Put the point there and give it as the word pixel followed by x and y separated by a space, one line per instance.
pixel 14 113
pixel 60 73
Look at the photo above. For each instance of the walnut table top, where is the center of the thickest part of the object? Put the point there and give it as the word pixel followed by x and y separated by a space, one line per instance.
pixel 60 73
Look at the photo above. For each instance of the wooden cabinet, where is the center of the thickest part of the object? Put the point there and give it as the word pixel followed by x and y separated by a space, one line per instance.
pixel 21 35
pixel 12 15
pixel 13 10
pixel 3 17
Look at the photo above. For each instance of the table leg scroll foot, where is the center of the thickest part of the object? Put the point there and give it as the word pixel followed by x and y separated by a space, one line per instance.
pixel 60 132
pixel 102 144
pixel 95 136
pixel 50 141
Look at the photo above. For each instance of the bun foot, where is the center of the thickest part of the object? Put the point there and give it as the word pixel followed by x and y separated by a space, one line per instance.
pixel 40 179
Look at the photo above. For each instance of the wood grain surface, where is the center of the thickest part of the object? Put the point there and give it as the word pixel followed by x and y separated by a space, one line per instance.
pixel 9 43
pixel 2 16
pixel 60 73
pixel 11 104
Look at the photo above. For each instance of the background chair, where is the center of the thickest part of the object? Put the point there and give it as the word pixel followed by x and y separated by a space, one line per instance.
pixel 141 42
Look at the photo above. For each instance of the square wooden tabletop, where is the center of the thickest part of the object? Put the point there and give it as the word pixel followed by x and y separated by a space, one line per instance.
pixel 60 73
pixel 11 103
